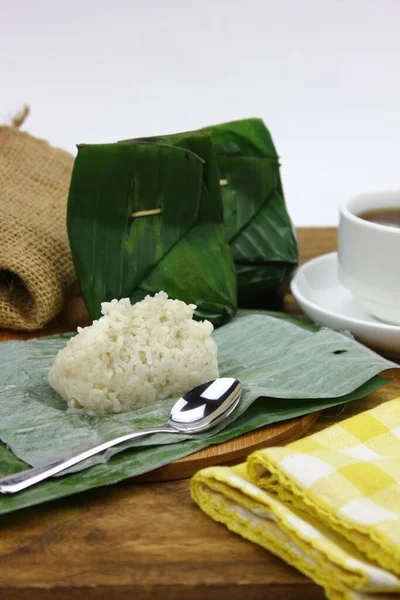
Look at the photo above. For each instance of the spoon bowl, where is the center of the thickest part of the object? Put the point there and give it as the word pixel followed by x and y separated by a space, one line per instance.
pixel 206 405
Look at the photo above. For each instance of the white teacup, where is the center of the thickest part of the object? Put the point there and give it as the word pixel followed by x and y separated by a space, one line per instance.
pixel 369 256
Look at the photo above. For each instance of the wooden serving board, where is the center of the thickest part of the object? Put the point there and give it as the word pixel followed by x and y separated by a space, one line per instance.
pixel 234 451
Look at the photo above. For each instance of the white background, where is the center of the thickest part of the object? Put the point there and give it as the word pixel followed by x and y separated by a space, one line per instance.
pixel 323 74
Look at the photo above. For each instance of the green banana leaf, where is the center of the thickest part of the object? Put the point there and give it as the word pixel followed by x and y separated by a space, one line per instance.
pixel 257 224
pixel 182 250
pixel 286 371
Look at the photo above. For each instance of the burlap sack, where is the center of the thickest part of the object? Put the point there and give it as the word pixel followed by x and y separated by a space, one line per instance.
pixel 36 269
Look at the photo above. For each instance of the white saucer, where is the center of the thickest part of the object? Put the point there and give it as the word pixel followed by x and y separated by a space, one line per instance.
pixel 327 302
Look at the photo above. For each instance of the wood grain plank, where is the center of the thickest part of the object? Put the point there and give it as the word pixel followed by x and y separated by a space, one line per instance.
pixel 136 538
pixel 149 541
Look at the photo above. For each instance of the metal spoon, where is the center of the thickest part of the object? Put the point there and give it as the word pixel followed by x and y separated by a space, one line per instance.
pixel 198 410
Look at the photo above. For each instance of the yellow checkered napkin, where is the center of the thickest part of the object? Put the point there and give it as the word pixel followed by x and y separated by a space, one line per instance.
pixel 328 504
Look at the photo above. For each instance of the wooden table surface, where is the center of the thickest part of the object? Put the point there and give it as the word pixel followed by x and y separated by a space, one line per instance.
pixel 150 541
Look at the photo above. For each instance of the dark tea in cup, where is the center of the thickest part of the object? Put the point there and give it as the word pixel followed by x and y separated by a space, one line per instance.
pixel 382 216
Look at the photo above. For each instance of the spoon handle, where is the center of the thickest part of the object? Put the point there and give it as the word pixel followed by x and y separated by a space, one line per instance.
pixel 10 484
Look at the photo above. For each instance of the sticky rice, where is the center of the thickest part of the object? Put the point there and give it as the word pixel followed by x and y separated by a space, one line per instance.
pixel 135 355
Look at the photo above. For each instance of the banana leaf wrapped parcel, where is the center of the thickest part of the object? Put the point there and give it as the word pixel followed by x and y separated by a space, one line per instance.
pixel 258 227
pixel 147 216
pixel 257 224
